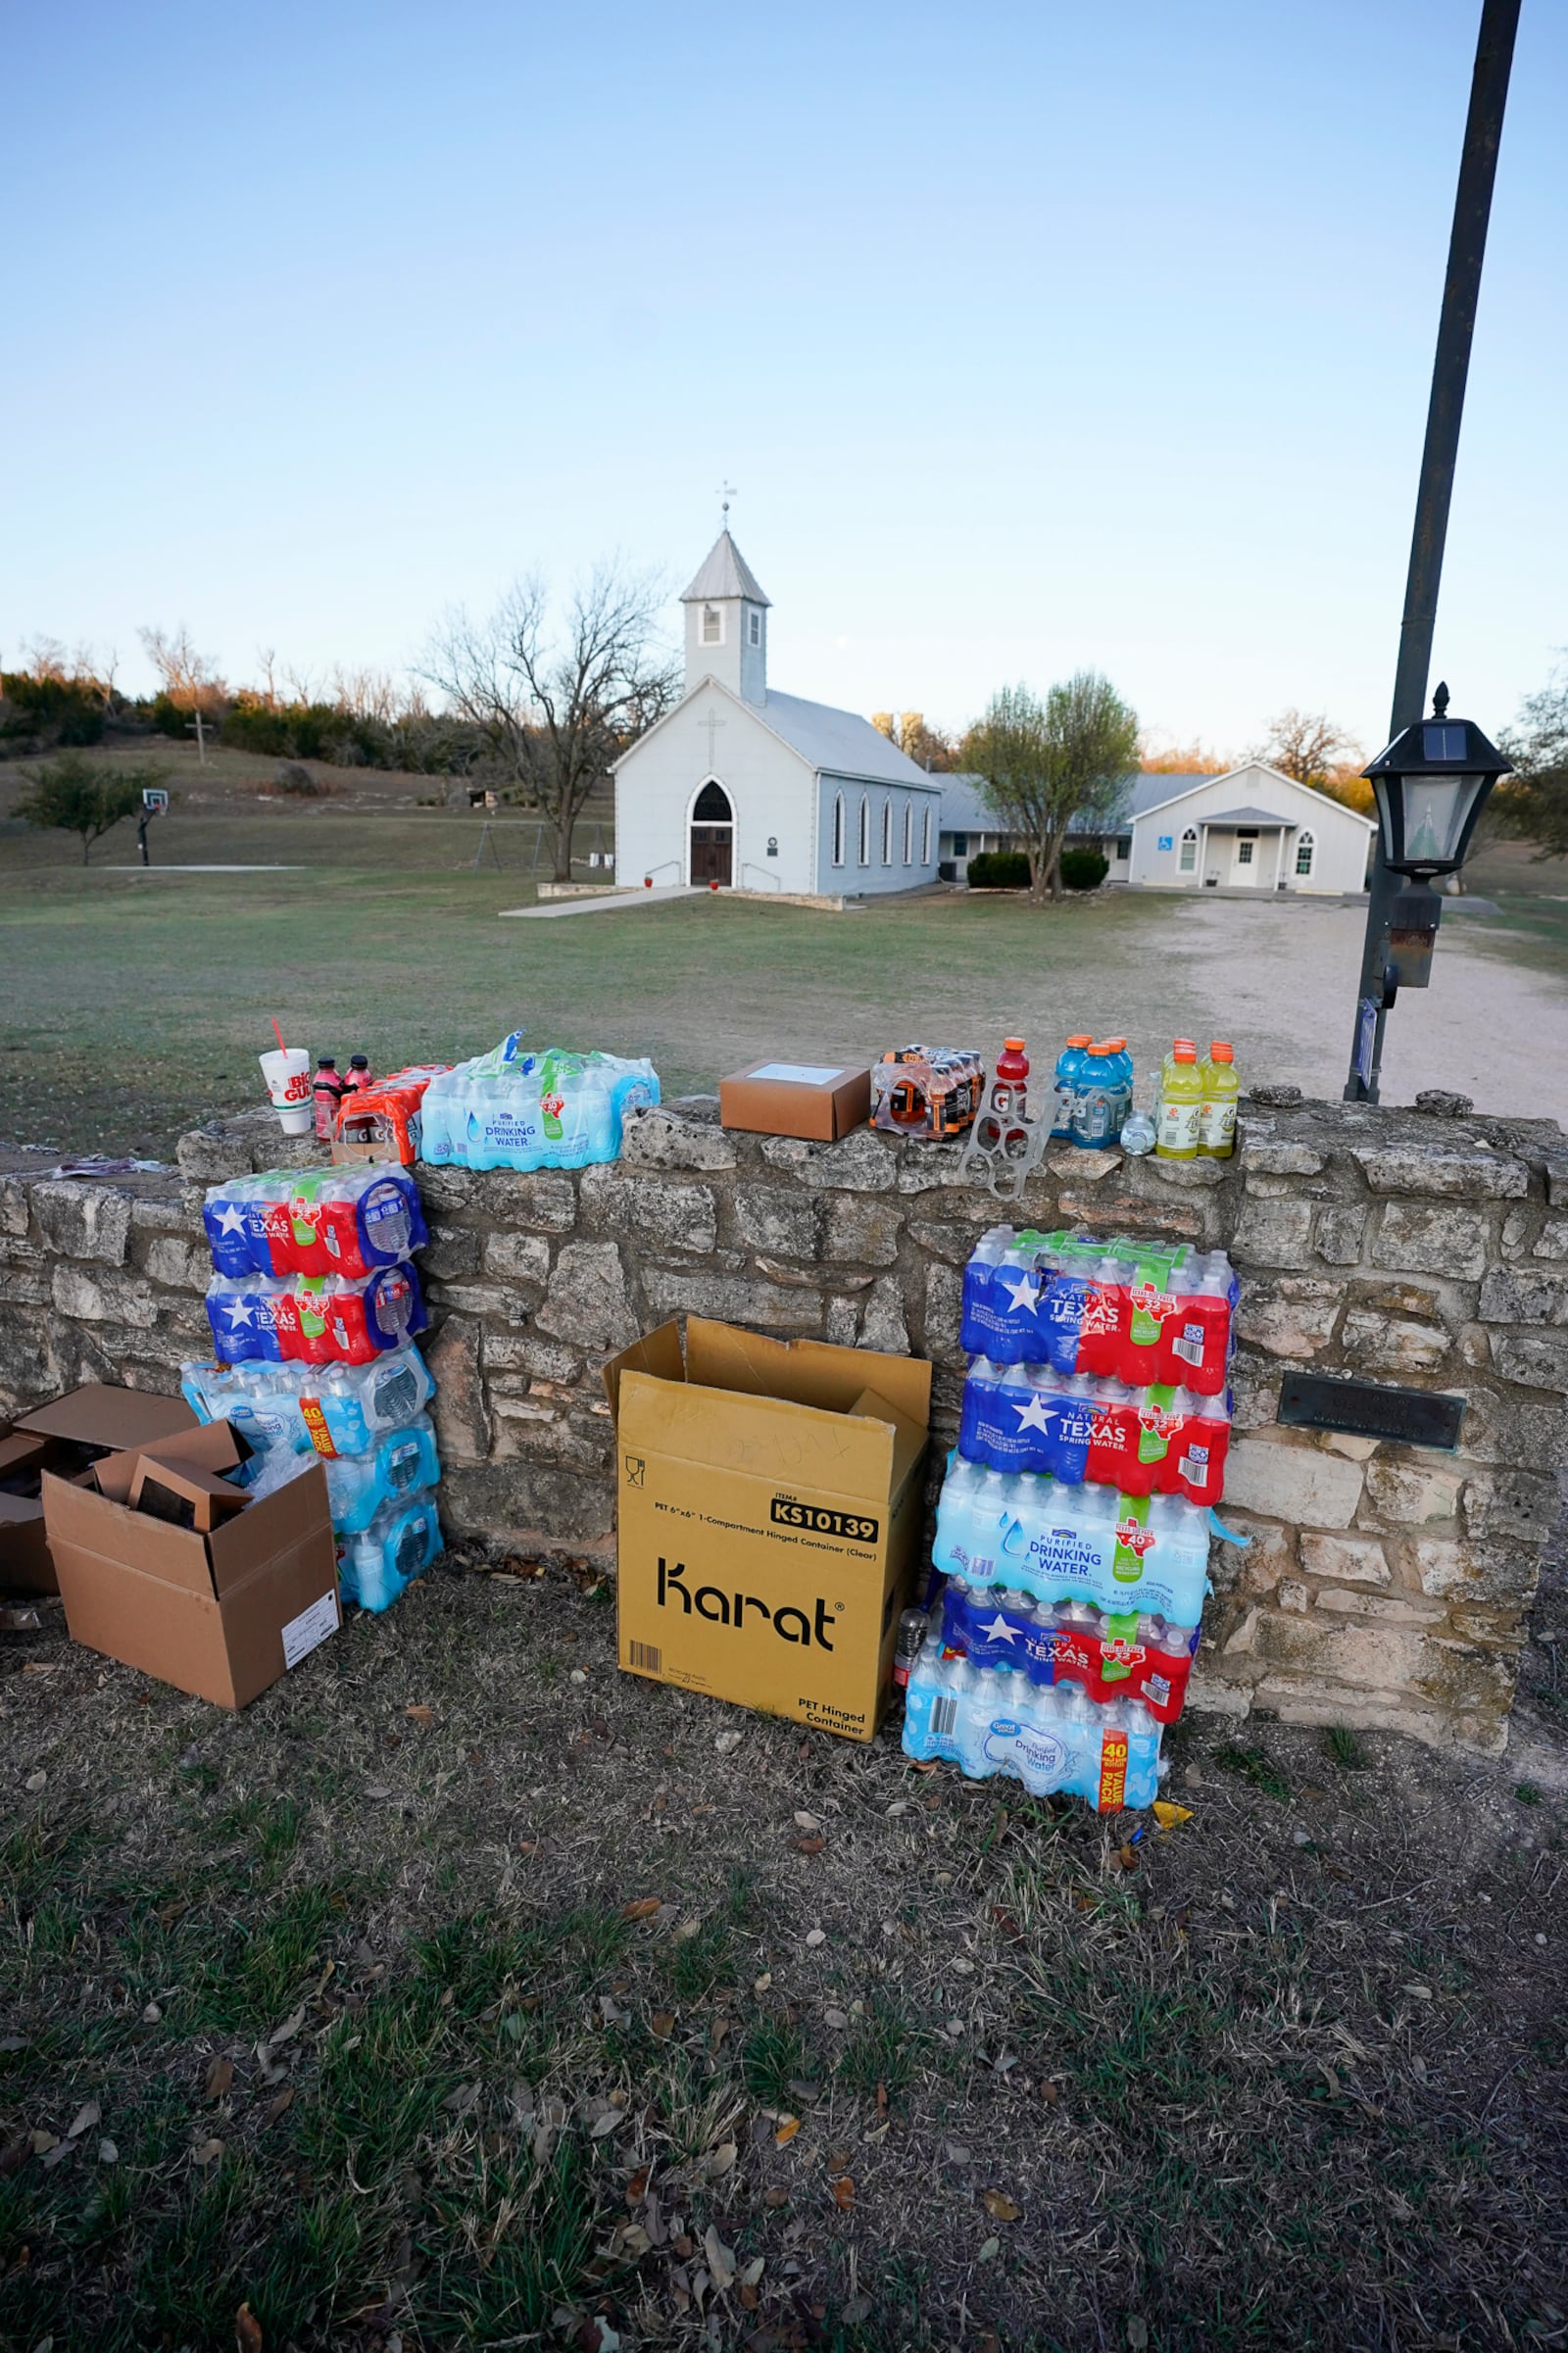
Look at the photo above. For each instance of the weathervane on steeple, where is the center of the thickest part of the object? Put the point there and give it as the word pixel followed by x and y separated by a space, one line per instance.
pixel 726 491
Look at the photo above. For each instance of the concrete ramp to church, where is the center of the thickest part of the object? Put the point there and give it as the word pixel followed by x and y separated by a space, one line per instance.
pixel 612 904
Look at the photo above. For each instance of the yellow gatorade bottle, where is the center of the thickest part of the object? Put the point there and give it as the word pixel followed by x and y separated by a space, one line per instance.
pixel 1216 1122
pixel 1181 1104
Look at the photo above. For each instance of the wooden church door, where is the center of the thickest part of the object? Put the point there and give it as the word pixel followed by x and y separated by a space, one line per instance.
pixel 713 843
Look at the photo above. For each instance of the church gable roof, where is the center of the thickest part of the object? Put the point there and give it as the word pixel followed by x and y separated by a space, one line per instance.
pixel 839 741
pixel 724 573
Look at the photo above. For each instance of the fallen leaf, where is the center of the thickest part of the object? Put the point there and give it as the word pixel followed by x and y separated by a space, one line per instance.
pixel 108 2154
pixel 754 2271
pixel 723 2160
pixel 248 2337
pixel 220 2076
pixel 760 1984
pixel 86 2117
pixel 720 2258
pixel 276 2107
pixel 1005 1923
pixel 290 2027
pixel 38 1666
pixel 1049 2093
pixel 637 2186
pixel 1127 1857
pixel 990 2250
pixel 843 2191
pixel 43 2141
pixel 1171 1817
pixel 209 2152
pixel 775 2198
pixel 726 1742
pixel 36 1781
pixel 1000 2206
pixel 749 2297
pixel 811 1846
pixel 816 1935
pixel 839 2162
pixel 419 1714
pixel 807 1822
pixel 1137 2332
pixel 377 1788
pixel 881 2099
pixel 788 2126
pixel 662 2024
pixel 641 1907
pixel 151 2015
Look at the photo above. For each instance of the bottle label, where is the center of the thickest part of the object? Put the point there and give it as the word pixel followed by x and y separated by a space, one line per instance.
pixel 1112 1772
pixel 1178 1126
pixel 315 1421
pixel 1134 1538
pixel 1217 1127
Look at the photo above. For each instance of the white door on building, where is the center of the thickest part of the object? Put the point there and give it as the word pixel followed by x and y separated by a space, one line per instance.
pixel 1247 859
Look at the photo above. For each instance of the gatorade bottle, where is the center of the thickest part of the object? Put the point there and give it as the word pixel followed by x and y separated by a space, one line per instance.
pixel 1009 1086
pixel 359 1077
pixel 1122 1073
pixel 1181 1104
pixel 328 1092
pixel 1097 1104
pixel 1069 1062
pixel 1216 1122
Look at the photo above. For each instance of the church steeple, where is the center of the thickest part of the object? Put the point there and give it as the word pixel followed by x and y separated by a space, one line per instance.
pixel 726 623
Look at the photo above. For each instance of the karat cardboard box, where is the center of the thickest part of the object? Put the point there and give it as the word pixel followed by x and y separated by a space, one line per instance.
pixel 770 1509
pixel 220 1612
pixel 815 1100
pixel 65 1436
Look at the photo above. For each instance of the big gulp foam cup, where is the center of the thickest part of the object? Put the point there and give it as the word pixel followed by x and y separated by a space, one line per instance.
pixel 287 1072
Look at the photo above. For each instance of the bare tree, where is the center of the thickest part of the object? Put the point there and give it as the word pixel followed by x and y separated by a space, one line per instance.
pixel 1307 745
pixel 191 680
pixel 1533 803
pixel 558 705
pixel 1041 765
pixel 267 664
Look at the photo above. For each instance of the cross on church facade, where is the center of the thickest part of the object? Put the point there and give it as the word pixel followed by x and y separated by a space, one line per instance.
pixel 713 722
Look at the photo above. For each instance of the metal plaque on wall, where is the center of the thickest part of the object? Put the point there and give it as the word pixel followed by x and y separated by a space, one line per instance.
pixel 1415 1417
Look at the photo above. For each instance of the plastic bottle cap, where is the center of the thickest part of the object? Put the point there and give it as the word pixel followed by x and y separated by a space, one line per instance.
pixel 1117 1045
pixel 1080 1041
pixel 1184 1054
pixel 1012 1045
pixel 1103 1047
pixel 1219 1051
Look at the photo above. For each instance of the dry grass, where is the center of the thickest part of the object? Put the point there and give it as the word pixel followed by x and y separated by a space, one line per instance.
pixel 1296 2079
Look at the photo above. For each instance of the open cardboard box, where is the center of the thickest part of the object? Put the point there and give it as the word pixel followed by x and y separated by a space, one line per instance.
pixel 770 1498
pixel 220 1611
pixel 65 1436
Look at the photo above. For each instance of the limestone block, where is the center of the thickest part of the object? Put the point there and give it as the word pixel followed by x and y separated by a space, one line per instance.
pixel 536 1505
pixel 1291 1593
pixel 1272 1232
pixel 1407 1494
pixel 842 1322
pixel 587 1303
pixel 486 1301
pixel 1552 1239
pixel 1351 1559
pixel 802 1278
pixel 448 1189
pixel 728 1298
pixel 1506 1502
pixel 651 1211
pixel 661 1138
pixel 1357 1654
pixel 1535 1359
pixel 12 1206
pixel 1388 1609
pixel 182 1266
pixel 1384 1344
pixel 534 1429
pixel 452 1253
pixel 1082 1166
pixel 526 1353
pixel 1300 1700
pixel 1269 1157
pixel 541 1200
pixel 84 1221
pixel 1148 1172
pixel 1254 1392
pixel 1268 1557
pixel 863 1227
pixel 1168 1220
pixel 1291 1317
pixel 1299 1483
pixel 1457 1174
pixel 1524 1294
pixel 1347 1443
pixel 179 1211
pixel 778 1219
pixel 1504 1575
pixel 457 1409
pixel 514 1258
pixel 861 1163
pixel 942 1310
pixel 238 1147
pixel 954 1243
pixel 924 1167
pixel 105 1297
pixel 1467 1677
pixel 1430 1238
pixel 1341 1233
pixel 1211 1696
pixel 882 1326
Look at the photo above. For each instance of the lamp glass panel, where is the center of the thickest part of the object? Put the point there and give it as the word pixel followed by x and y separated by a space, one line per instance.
pixel 1435 811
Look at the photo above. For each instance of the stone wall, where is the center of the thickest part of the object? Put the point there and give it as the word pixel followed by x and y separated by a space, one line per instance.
pixel 1383 1585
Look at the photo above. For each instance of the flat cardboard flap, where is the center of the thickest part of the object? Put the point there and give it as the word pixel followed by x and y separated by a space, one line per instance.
pixel 908 1437
pixel 98 1415
pixel 766 1437
pixel 212 1447
pixel 809 1372
pixel 658 1352
pixel 275 1523
pixel 160 1487
pixel 93 1523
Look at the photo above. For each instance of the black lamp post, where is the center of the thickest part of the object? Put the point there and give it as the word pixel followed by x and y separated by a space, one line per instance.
pixel 1431 785
pixel 1430 789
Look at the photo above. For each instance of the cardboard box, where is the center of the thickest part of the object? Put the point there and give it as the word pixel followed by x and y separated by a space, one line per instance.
pixel 64 1436
pixel 220 1613
pixel 815 1099
pixel 770 1509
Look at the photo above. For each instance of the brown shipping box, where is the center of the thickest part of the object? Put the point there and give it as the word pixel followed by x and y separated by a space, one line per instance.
pixel 771 1508
pixel 222 1613
pixel 815 1100
pixel 63 1437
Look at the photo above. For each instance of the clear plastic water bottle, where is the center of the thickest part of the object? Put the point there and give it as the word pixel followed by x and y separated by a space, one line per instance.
pixel 977 1325
pixel 400 1542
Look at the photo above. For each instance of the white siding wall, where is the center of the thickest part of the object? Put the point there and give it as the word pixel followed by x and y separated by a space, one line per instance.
pixel 1339 838
pixel 735 661
pixel 854 878
pixel 769 786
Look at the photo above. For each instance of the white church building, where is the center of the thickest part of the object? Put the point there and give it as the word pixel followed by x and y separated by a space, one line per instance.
pixel 758 791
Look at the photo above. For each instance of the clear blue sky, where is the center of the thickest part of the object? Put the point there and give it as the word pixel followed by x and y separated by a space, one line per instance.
pixel 1034 335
